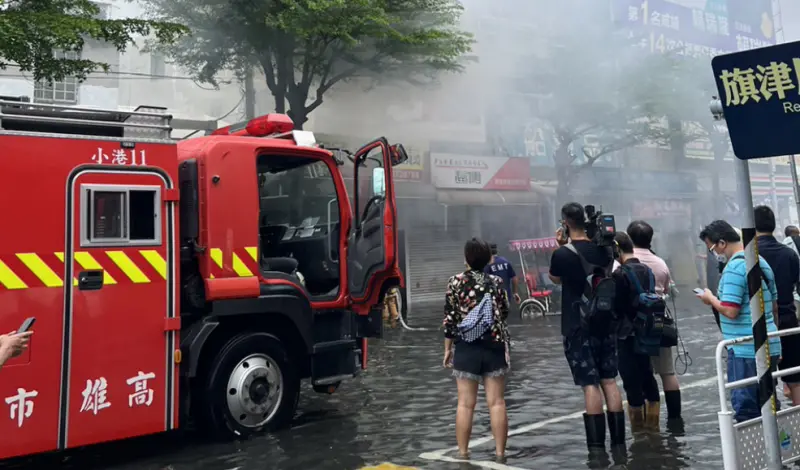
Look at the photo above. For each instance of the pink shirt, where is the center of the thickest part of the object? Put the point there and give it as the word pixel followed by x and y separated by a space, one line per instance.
pixel 658 266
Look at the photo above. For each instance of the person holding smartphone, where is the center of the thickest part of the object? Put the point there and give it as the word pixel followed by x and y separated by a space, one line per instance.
pixel 13 344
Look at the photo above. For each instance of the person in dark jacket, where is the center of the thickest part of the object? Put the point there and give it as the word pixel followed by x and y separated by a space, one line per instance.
pixel 635 368
pixel 785 265
pixel 486 358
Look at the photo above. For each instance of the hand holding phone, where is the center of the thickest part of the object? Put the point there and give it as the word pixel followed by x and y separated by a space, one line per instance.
pixel 698 291
pixel 26 325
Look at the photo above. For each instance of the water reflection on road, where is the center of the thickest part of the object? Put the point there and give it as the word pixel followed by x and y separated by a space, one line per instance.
pixel 404 405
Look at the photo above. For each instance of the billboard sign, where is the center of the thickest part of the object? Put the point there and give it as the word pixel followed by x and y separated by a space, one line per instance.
pixel 760 94
pixel 450 171
pixel 698 28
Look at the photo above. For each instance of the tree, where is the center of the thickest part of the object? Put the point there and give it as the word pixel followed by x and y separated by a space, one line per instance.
pixel 598 83
pixel 31 31
pixel 307 47
pixel 689 88
pixel 594 86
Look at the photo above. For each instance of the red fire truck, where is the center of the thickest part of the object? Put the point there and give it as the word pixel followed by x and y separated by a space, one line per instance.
pixel 192 281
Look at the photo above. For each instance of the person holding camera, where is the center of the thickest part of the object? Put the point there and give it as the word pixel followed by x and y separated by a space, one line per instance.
pixel 641 234
pixel 590 344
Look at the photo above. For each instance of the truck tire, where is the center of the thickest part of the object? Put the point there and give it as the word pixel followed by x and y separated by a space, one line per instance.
pixel 251 386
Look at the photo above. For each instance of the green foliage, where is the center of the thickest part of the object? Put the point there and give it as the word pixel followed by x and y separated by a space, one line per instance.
pixel 31 31
pixel 602 86
pixel 305 47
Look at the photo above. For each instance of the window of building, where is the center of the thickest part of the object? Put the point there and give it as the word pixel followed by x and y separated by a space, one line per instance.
pixel 120 215
pixel 58 92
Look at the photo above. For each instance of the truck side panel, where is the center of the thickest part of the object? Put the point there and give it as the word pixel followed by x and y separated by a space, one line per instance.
pixel 120 384
pixel 31 284
pixel 103 311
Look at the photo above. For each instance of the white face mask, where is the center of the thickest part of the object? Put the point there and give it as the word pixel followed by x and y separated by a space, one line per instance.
pixel 721 258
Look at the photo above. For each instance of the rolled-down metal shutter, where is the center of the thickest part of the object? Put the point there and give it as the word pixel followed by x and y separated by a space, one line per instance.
pixel 433 256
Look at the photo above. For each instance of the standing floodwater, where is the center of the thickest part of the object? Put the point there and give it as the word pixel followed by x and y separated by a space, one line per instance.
pixel 402 408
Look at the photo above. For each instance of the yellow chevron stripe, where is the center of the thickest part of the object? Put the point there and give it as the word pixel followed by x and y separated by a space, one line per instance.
pixel 60 257
pixel 240 267
pixel 216 256
pixel 156 261
pixel 128 267
pixel 9 279
pixel 253 252
pixel 48 277
pixel 88 262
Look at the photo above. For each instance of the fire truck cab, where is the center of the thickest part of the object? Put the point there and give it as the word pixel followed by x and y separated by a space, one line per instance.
pixel 191 281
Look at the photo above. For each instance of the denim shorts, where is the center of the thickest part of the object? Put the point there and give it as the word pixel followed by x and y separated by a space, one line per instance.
pixel 744 400
pixel 479 359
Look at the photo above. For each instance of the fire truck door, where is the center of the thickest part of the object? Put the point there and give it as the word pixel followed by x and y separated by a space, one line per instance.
pixel 372 240
pixel 119 372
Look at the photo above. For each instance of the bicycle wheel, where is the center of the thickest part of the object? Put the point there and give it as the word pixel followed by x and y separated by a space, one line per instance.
pixel 531 308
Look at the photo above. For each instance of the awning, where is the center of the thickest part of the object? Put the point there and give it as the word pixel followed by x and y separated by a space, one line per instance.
pixel 534 244
pixel 471 197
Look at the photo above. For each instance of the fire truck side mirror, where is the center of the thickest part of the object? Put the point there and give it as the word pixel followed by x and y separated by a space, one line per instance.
pixel 378 182
pixel 398 154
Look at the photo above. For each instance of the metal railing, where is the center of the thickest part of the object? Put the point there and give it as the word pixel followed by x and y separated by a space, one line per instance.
pixel 732 447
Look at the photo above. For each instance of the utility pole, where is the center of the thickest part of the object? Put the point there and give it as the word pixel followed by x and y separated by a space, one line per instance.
pixel 773 188
pixel 795 188
pixel 249 94
pixel 767 399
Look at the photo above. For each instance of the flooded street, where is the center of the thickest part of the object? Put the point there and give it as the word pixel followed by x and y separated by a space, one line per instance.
pixel 402 411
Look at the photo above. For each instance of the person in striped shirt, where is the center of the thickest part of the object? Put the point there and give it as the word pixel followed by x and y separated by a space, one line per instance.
pixel 733 303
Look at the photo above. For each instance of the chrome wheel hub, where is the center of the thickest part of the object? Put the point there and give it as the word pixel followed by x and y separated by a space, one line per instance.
pixel 255 389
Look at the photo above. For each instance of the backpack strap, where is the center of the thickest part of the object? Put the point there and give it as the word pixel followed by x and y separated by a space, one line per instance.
pixel 631 275
pixel 632 278
pixel 588 268
pixel 588 272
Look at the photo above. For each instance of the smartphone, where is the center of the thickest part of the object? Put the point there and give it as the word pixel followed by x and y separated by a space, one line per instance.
pixel 698 291
pixel 26 325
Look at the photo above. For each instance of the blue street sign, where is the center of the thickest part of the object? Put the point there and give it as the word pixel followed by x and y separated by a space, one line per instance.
pixel 760 94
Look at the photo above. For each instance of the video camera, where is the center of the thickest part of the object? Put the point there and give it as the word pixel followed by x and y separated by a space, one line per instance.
pixel 600 228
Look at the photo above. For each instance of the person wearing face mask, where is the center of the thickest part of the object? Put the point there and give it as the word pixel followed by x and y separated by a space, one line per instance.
pixel 733 303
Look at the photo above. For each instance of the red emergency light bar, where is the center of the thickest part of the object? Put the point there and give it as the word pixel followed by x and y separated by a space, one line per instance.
pixel 261 126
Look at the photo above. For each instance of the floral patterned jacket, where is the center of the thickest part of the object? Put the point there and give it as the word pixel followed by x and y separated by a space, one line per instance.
pixel 464 292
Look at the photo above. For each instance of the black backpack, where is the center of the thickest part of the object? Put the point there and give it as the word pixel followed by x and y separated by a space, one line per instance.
pixel 597 301
pixel 651 314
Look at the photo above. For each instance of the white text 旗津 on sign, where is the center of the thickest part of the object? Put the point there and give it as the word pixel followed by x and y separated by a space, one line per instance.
pixel 120 157
pixel 763 82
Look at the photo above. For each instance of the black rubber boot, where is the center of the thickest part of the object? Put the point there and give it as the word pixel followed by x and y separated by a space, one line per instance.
pixel 616 427
pixel 673 399
pixel 595 431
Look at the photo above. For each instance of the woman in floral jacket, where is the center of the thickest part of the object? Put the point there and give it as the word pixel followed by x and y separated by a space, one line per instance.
pixel 486 358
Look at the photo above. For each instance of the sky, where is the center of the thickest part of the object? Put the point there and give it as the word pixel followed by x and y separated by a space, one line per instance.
pixel 790 10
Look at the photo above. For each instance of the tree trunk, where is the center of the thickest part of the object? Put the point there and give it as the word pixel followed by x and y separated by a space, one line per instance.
pixel 564 175
pixel 297 110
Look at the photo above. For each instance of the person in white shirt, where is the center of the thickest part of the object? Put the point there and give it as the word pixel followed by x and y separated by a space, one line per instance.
pixel 641 233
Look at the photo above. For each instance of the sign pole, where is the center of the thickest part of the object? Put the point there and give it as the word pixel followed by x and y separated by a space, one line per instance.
pixel 766 385
pixel 795 189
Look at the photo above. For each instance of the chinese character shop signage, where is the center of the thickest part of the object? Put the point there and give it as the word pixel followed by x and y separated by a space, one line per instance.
pixel 760 94
pixel 450 171
pixel 698 28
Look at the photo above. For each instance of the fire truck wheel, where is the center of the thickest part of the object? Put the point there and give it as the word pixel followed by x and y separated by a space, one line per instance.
pixel 252 386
